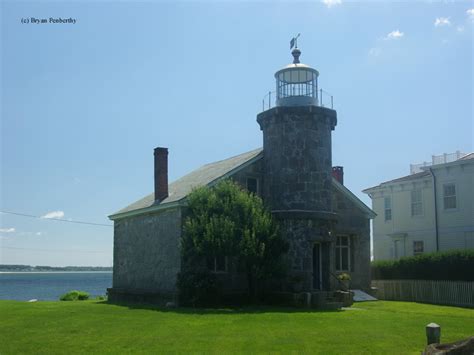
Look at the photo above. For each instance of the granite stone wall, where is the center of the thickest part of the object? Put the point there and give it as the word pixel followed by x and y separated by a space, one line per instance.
pixel 302 234
pixel 297 184
pixel 297 157
pixel 354 223
pixel 146 251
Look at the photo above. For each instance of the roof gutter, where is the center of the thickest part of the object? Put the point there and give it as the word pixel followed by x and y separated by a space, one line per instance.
pixel 150 209
pixel 435 209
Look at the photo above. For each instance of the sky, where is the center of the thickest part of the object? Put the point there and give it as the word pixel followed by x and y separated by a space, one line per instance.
pixel 83 104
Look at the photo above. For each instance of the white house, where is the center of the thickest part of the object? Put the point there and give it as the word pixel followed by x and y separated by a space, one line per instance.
pixel 430 210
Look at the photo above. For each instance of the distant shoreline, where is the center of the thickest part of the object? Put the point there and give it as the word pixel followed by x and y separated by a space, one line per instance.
pixel 44 268
pixel 56 272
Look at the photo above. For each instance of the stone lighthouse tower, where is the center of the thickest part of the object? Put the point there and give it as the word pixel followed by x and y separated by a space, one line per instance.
pixel 297 184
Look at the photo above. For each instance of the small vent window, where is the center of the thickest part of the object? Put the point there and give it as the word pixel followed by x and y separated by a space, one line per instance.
pixel 252 185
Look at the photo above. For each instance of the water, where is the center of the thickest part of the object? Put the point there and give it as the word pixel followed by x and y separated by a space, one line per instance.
pixel 49 286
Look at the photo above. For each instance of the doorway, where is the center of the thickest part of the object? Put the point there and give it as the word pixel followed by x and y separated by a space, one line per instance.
pixel 317 267
pixel 321 266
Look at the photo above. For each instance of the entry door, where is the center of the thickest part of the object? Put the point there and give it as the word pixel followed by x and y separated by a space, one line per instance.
pixel 317 267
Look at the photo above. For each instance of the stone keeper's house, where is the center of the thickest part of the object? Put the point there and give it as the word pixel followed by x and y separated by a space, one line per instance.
pixel 327 227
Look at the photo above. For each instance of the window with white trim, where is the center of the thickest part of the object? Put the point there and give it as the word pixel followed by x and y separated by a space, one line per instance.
pixel 416 202
pixel 418 247
pixel 449 196
pixel 387 208
pixel 343 254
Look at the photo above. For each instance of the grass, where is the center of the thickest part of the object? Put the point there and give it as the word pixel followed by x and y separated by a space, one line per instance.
pixel 98 327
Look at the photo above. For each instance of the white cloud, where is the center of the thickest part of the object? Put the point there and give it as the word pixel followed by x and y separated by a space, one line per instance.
pixel 442 21
pixel 38 233
pixel 394 35
pixel 53 214
pixel 331 3
pixel 375 52
pixel 470 13
pixel 7 230
pixel 460 28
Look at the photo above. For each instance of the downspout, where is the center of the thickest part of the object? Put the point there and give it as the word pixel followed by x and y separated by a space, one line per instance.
pixel 435 209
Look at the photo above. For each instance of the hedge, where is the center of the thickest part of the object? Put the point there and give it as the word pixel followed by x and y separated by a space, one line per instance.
pixel 455 265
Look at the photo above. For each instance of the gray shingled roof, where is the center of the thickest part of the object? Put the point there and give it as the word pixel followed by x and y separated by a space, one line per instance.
pixel 205 175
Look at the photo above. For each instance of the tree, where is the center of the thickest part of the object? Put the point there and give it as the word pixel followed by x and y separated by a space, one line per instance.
pixel 227 220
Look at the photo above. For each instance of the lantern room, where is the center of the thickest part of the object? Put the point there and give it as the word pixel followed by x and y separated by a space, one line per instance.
pixel 296 84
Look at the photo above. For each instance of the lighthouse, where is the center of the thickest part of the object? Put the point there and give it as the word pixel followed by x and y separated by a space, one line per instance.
pixel 297 159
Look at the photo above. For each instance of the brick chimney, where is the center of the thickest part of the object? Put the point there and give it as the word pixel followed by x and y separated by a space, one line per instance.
pixel 161 174
pixel 338 174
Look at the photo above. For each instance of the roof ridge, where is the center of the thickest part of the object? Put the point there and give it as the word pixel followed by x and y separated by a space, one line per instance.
pixel 232 157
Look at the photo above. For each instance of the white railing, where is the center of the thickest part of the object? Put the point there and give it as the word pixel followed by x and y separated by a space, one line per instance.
pixel 453 293
pixel 437 159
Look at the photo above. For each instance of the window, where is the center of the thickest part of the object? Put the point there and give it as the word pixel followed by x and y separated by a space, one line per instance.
pixel 416 204
pixel 252 185
pixel 217 264
pixel 418 247
pixel 388 208
pixel 449 196
pixel 342 253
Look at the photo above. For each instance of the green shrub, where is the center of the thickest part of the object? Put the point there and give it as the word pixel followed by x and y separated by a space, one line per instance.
pixel 455 265
pixel 228 221
pixel 198 287
pixel 75 296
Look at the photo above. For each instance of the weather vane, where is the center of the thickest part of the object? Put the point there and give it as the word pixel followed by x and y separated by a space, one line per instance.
pixel 294 42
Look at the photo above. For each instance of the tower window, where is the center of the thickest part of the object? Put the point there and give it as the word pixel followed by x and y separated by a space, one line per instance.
pixel 252 185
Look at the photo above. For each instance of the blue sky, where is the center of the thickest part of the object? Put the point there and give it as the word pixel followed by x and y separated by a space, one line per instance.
pixel 84 104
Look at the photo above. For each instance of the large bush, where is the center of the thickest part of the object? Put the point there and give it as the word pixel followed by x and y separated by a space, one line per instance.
pixel 226 220
pixel 456 265
pixel 198 286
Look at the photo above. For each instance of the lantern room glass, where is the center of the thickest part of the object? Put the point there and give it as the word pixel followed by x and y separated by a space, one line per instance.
pixel 297 82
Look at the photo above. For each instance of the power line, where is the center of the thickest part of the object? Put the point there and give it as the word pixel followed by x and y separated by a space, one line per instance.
pixel 56 219
pixel 57 250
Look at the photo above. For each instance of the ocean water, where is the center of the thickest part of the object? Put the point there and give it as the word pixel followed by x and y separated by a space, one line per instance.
pixel 49 286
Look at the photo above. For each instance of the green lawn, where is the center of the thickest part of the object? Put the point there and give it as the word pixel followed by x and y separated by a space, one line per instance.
pixel 98 327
